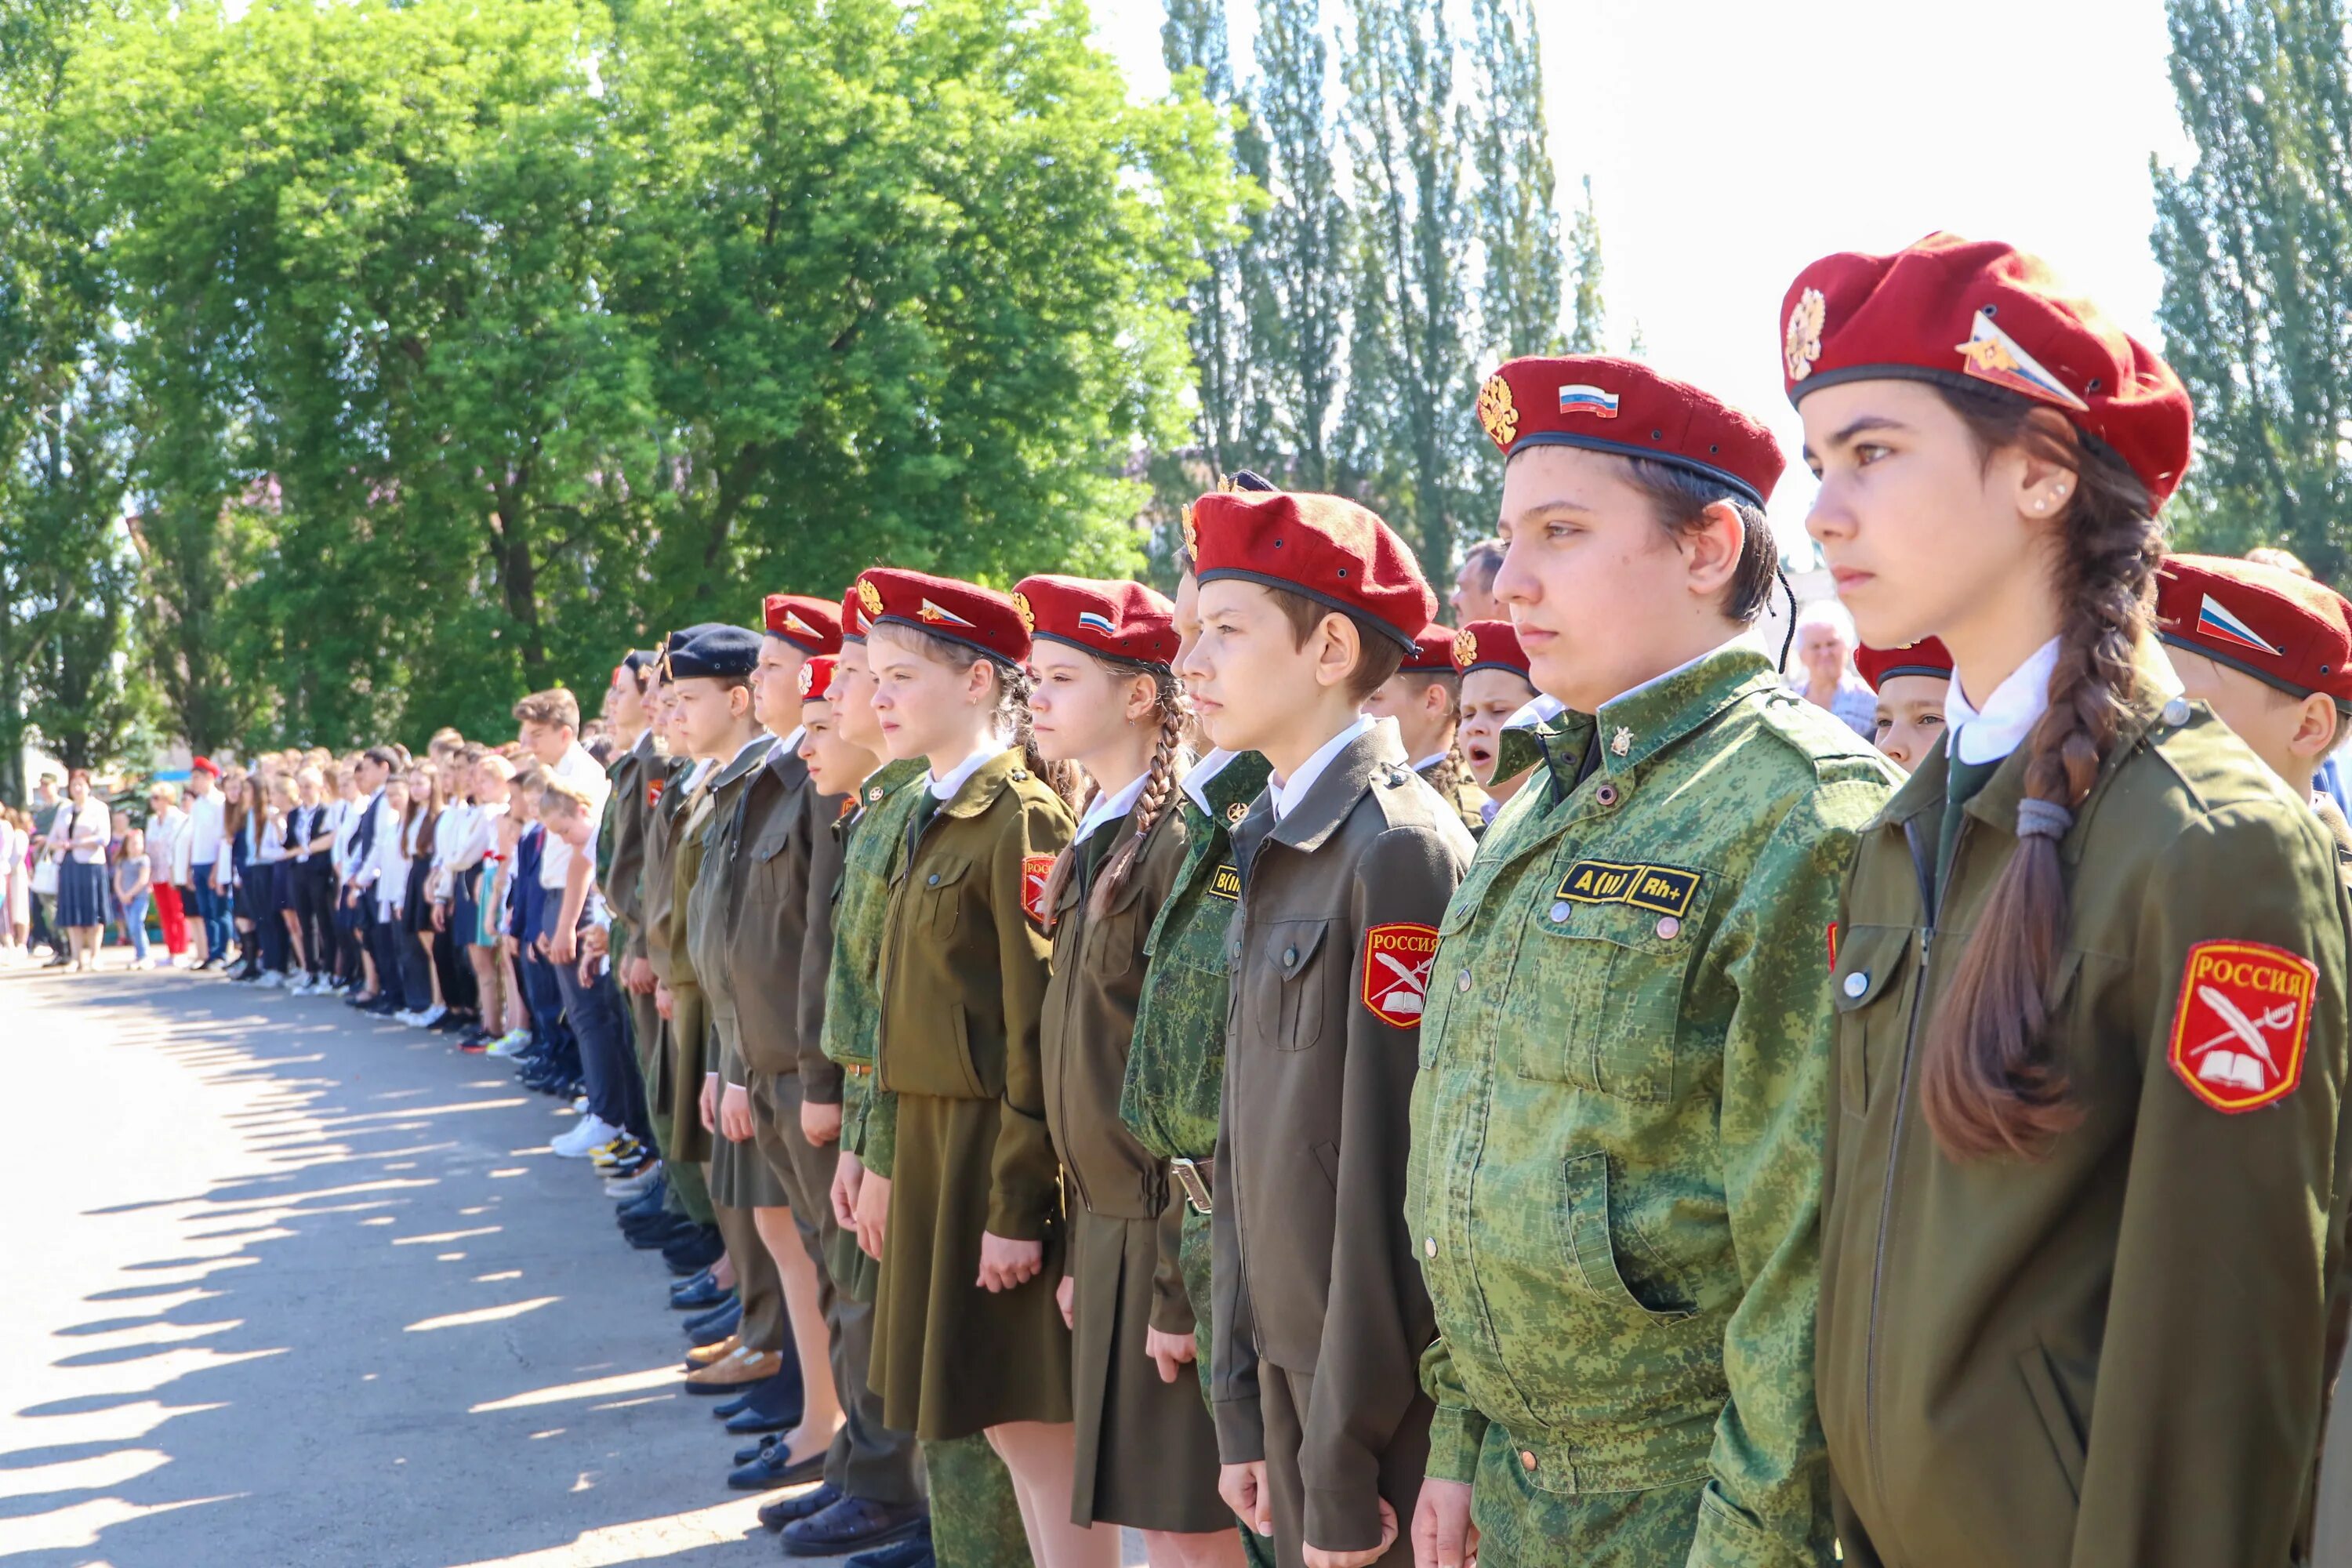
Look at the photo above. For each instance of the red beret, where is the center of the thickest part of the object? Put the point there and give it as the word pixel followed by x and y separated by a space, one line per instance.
pixel 1973 315
pixel 1433 652
pixel 1489 644
pixel 816 677
pixel 204 765
pixel 809 625
pixel 854 618
pixel 1114 620
pixel 1926 657
pixel 1608 405
pixel 980 618
pixel 2288 631
pixel 1326 548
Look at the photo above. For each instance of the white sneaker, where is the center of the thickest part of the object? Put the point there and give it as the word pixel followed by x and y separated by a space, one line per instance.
pixel 580 1104
pixel 271 978
pixel 585 1135
pixel 633 1186
pixel 405 1016
pixel 432 1015
pixel 508 1044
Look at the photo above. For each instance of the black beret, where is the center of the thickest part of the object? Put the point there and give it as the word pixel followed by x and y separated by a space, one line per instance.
pixel 724 652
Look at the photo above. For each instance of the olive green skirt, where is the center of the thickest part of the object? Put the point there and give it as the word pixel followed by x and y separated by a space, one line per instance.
pixel 1147 1454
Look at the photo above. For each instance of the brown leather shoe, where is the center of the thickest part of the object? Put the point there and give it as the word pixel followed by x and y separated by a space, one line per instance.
pixel 745 1366
pixel 703 1355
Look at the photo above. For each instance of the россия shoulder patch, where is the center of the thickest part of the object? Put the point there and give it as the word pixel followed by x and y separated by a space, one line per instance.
pixel 1397 960
pixel 2242 1023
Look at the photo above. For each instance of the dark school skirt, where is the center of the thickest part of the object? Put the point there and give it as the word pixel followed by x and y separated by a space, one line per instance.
pixel 415 914
pixel 82 894
pixel 465 904
pixel 1147 1453
pixel 281 886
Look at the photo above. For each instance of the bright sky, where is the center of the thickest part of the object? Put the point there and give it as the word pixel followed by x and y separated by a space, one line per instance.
pixel 1729 144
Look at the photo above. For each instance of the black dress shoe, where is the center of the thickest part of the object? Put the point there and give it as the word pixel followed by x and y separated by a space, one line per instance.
pixel 786 1511
pixel 852 1524
pixel 769 1405
pixel 914 1552
pixel 745 1456
pixel 656 1235
pixel 729 1308
pixel 701 1291
pixel 774 1467
pixel 719 1328
pixel 652 1201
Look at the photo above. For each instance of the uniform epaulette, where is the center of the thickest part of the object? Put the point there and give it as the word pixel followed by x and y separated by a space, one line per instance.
pixel 1819 737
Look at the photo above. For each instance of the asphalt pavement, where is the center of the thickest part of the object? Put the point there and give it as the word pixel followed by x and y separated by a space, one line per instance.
pixel 282 1285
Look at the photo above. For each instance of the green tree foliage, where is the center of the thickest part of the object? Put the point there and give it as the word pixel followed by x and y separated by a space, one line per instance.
pixel 1411 379
pixel 1588 312
pixel 460 346
pixel 1298 265
pixel 2255 240
pixel 1521 281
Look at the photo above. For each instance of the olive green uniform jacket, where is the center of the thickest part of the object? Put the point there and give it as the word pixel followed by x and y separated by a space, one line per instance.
pixel 1340 904
pixel 682 1138
pixel 2113 1355
pixel 1616 1161
pixel 784 845
pixel 710 901
pixel 963 983
pixel 620 841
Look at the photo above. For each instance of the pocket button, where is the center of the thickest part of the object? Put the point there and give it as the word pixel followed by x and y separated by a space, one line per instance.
pixel 1855 984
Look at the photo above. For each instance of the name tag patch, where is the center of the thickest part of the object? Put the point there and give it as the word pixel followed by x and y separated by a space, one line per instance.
pixel 1225 882
pixel 1665 890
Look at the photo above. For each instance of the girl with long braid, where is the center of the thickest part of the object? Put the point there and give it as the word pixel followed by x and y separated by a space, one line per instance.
pixel 968 1337
pixel 1105 699
pixel 2085 1177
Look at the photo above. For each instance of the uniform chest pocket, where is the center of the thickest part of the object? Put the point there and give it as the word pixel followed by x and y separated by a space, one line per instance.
pixel 938 892
pixel 1288 982
pixel 1620 969
pixel 1114 936
pixel 1870 985
pixel 770 867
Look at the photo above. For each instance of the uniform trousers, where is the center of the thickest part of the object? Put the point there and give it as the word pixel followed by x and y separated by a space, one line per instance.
pixel 211 908
pixel 1284 1399
pixel 261 908
pixel 868 1458
pixel 615 1094
pixel 314 906
pixel 351 938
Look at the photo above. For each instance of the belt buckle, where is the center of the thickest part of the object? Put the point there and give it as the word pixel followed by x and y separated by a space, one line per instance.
pixel 1196 1191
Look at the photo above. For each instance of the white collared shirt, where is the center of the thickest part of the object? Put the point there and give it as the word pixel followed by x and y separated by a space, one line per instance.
pixel 1112 807
pixel 944 789
pixel 205 829
pixel 1203 773
pixel 1288 794
pixel 792 743
pixel 1989 733
pixel 575 766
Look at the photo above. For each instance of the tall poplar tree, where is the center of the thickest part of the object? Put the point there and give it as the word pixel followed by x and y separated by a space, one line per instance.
pixel 1414 434
pixel 1520 288
pixel 2254 236
pixel 1193 39
pixel 1300 271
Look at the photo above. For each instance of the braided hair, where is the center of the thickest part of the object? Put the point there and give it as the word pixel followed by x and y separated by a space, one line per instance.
pixel 1168 762
pixel 1990 1084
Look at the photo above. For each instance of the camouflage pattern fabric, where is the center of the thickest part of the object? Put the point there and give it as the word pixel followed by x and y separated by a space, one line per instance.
pixel 1615 1174
pixel 975 1518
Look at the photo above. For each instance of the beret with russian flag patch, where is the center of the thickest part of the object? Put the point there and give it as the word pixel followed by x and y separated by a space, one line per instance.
pixel 1121 620
pixel 1927 657
pixel 1324 548
pixel 1608 405
pixel 1489 644
pixel 980 618
pixel 2283 630
pixel 811 625
pixel 1978 314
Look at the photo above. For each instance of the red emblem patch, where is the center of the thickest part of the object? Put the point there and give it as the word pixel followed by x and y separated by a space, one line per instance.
pixel 1034 871
pixel 2241 1025
pixel 654 792
pixel 1396 972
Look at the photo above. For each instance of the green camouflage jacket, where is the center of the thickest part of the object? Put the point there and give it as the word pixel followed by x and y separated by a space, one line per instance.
pixel 1615 1171
pixel 1176 1067
pixel 852 998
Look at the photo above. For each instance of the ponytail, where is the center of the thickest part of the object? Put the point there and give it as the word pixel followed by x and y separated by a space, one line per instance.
pixel 1167 769
pixel 1990 1084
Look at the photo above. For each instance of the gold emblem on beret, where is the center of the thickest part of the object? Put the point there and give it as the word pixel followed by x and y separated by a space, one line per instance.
pixel 1236 812
pixel 1465 649
pixel 1191 535
pixel 1498 412
pixel 1803 344
pixel 870 596
pixel 1021 607
pixel 808 677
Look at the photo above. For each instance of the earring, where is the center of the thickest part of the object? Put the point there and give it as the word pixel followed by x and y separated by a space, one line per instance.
pixel 2041 506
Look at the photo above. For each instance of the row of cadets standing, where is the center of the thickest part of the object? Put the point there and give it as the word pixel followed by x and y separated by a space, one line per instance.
pixel 975 1516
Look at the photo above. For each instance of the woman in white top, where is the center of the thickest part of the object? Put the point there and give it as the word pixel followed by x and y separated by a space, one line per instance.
pixel 78 842
pixel 16 885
